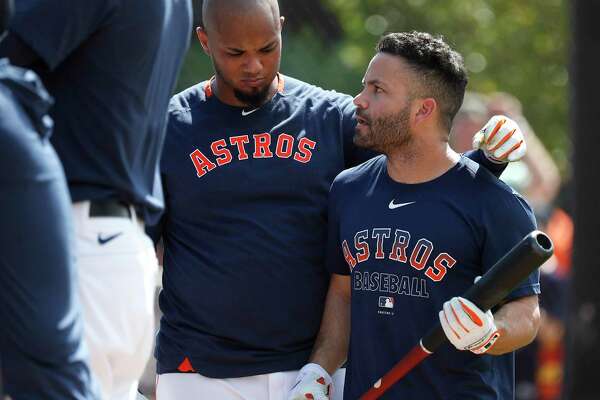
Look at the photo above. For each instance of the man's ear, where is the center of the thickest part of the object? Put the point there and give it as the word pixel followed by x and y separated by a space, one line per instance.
pixel 203 39
pixel 423 110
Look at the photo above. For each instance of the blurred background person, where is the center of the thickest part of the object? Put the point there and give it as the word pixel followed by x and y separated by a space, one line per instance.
pixel 41 349
pixel 539 366
pixel 538 175
pixel 539 372
pixel 471 117
pixel 111 67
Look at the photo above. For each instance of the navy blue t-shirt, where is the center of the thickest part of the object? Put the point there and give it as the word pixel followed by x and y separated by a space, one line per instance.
pixel 245 227
pixel 408 249
pixel 111 66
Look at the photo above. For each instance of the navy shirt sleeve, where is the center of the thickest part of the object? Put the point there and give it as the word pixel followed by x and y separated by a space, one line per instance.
pixel 335 262
pixel 507 221
pixel 479 157
pixel 55 28
pixel 335 258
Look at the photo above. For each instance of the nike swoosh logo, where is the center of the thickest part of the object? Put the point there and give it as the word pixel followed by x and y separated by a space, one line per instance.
pixel 393 206
pixel 244 112
pixel 104 240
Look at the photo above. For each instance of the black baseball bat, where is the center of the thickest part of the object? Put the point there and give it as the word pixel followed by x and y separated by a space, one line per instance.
pixel 504 276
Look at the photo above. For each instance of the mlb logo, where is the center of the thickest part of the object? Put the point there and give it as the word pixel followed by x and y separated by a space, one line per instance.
pixel 386 302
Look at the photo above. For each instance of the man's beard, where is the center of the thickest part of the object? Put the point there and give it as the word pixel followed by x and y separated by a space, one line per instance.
pixel 256 98
pixel 385 134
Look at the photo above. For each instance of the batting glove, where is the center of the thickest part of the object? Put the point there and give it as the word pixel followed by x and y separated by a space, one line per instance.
pixel 501 140
pixel 313 382
pixel 467 327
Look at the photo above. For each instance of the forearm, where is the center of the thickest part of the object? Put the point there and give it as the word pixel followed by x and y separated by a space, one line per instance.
pixel 518 322
pixel 331 347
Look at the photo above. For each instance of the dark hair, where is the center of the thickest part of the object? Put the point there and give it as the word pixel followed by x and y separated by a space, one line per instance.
pixel 440 69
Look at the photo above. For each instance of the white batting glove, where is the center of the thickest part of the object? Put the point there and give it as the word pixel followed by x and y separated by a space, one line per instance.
pixel 467 327
pixel 313 382
pixel 501 140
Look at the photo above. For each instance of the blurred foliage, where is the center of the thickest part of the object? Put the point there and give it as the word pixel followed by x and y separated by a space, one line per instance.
pixel 519 47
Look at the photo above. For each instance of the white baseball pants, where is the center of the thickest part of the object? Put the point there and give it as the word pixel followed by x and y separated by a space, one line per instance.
pixel 274 386
pixel 117 269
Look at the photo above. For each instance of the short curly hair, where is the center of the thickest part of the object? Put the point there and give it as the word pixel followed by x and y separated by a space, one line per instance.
pixel 440 69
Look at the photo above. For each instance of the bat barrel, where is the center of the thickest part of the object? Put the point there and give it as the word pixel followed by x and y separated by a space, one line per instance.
pixel 504 276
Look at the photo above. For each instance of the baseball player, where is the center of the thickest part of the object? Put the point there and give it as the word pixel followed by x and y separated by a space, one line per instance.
pixel 41 350
pixel 412 229
pixel 111 68
pixel 248 160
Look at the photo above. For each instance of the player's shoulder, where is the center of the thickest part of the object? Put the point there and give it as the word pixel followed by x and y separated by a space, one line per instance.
pixel 295 88
pixel 361 173
pixel 482 179
pixel 492 194
pixel 188 99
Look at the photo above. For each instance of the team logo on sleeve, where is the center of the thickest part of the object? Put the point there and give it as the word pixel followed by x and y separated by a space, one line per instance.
pixel 244 147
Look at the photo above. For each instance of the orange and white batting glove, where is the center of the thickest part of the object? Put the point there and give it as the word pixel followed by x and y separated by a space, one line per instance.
pixel 467 327
pixel 313 383
pixel 501 140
